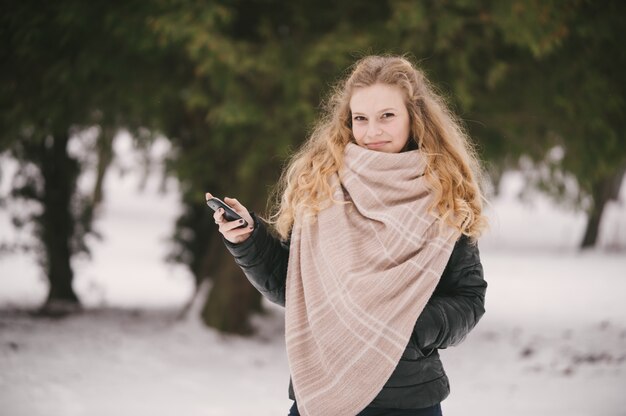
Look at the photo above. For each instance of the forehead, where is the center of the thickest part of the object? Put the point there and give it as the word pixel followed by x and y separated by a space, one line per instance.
pixel 376 97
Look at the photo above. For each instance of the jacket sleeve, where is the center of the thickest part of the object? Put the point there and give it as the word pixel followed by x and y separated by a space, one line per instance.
pixel 263 259
pixel 457 303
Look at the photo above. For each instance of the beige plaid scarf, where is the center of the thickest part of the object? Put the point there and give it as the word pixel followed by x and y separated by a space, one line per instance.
pixel 358 278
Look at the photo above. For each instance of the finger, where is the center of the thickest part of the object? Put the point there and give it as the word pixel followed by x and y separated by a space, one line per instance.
pixel 238 232
pixel 235 204
pixel 230 225
pixel 208 196
pixel 238 208
pixel 218 215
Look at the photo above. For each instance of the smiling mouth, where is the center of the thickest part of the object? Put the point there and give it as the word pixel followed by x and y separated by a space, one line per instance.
pixel 376 144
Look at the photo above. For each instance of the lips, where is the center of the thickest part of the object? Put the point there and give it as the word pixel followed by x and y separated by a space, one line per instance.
pixel 375 145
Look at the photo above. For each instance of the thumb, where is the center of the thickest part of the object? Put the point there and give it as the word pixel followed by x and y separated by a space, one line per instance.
pixel 232 202
pixel 239 209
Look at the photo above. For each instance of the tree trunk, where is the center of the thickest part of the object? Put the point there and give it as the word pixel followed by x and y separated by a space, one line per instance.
pixel 232 298
pixel 604 190
pixel 57 225
pixel 105 157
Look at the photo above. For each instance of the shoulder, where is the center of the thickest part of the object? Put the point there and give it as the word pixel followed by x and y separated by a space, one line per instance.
pixel 464 254
pixel 463 268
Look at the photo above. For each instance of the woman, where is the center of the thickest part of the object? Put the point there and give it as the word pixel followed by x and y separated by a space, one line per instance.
pixel 376 262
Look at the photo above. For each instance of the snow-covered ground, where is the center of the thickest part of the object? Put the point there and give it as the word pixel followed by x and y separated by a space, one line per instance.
pixel 553 340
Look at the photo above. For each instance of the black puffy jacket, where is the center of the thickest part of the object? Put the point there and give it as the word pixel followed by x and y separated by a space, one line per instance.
pixel 453 310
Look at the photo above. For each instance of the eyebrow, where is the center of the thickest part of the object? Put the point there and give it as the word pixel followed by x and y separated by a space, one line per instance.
pixel 379 111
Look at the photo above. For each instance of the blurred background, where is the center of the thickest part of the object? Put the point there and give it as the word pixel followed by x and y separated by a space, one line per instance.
pixel 116 293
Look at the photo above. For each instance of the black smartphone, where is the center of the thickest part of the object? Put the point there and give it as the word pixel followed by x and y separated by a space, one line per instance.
pixel 230 215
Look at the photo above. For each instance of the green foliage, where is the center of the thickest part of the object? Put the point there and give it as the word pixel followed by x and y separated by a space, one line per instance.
pixel 574 88
pixel 68 66
pixel 527 76
pixel 236 85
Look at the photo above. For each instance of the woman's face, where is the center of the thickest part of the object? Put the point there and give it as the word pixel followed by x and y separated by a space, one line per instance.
pixel 380 119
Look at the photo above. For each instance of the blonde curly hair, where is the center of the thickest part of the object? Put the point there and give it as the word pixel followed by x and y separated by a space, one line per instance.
pixel 452 171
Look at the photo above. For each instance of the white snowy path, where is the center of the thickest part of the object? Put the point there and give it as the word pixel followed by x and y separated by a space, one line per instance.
pixel 553 340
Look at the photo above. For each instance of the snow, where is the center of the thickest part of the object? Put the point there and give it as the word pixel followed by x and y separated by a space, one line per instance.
pixel 553 340
pixel 127 268
pixel 111 361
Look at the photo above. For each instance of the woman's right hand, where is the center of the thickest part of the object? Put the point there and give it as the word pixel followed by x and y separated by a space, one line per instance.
pixel 229 228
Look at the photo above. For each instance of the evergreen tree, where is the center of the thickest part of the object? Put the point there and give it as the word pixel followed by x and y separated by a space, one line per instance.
pixel 69 66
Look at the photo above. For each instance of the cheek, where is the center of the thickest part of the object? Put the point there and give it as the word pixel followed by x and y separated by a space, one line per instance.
pixel 401 131
pixel 358 132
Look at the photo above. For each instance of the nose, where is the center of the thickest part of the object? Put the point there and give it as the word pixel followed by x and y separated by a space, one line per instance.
pixel 373 129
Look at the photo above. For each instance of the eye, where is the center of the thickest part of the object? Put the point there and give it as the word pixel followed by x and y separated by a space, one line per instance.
pixel 359 118
pixel 387 115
